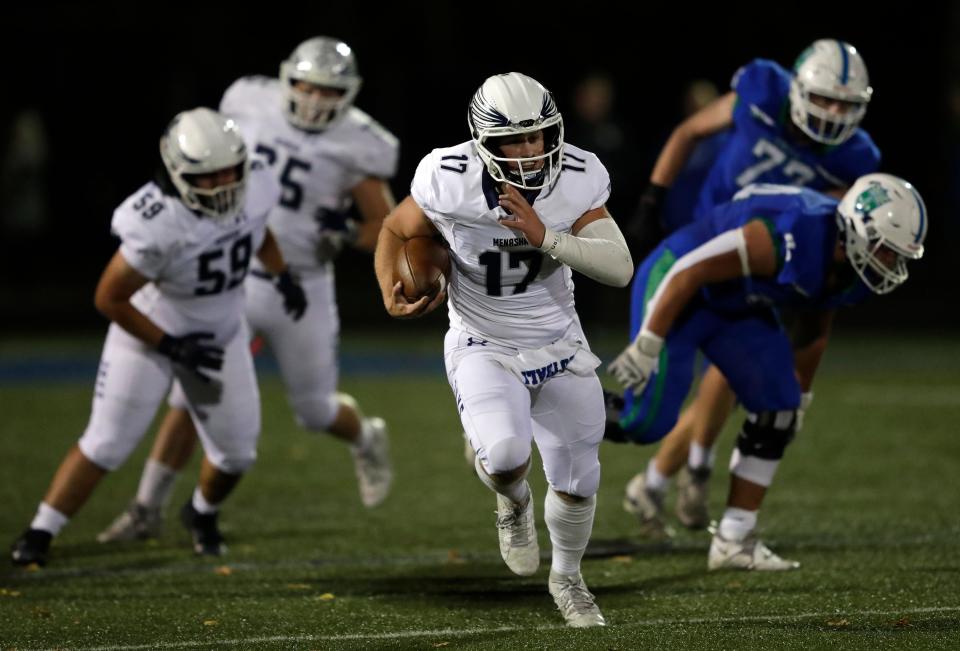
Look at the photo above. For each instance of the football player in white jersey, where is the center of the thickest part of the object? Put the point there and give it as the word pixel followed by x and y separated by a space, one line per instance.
pixel 519 209
pixel 327 155
pixel 173 291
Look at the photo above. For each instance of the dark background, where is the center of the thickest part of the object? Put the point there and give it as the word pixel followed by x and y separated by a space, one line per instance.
pixel 87 92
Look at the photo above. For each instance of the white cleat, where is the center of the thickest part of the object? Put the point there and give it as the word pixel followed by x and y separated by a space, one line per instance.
pixel 137 522
pixel 647 506
pixel 373 467
pixel 748 554
pixel 518 535
pixel 575 602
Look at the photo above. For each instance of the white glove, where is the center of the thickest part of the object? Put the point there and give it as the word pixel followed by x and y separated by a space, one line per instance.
pixel 805 399
pixel 633 367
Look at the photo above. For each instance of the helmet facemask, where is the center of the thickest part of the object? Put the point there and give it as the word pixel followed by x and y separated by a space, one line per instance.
pixel 829 70
pixel 821 124
pixel 324 63
pixel 883 223
pixel 218 202
pixel 526 173
pixel 201 143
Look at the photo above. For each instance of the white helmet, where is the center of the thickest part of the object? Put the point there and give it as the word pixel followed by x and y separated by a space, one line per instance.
pixel 511 104
pixel 833 69
pixel 882 211
pixel 199 142
pixel 321 61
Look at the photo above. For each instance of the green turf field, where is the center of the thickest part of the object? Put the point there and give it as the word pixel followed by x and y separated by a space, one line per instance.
pixel 868 499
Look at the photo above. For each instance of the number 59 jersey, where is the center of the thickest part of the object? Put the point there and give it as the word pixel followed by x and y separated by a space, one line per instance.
pixel 503 289
pixel 196 265
pixel 316 170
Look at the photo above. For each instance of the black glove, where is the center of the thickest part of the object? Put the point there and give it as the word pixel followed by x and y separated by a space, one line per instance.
pixel 337 229
pixel 294 298
pixel 190 351
pixel 646 229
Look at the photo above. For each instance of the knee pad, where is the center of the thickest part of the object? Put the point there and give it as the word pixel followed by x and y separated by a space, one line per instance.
pixel 315 413
pixel 506 454
pixel 766 435
pixel 233 464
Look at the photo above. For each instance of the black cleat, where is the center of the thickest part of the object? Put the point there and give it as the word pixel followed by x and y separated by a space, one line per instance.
pixel 31 547
pixel 207 540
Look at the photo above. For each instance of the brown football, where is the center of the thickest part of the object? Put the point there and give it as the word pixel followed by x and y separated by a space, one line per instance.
pixel 423 266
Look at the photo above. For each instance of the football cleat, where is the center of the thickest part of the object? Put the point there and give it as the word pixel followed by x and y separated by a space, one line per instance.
pixel 137 522
pixel 372 465
pixel 693 487
pixel 747 554
pixel 647 506
pixel 204 532
pixel 32 547
pixel 574 601
pixel 517 531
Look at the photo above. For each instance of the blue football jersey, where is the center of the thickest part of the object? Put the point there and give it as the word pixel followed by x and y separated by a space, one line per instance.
pixel 803 226
pixel 762 148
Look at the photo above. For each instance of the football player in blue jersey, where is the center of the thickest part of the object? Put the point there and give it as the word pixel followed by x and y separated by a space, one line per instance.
pixel 716 286
pixel 800 129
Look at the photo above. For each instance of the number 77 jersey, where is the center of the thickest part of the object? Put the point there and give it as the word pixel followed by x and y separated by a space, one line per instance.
pixel 196 265
pixel 763 146
pixel 503 289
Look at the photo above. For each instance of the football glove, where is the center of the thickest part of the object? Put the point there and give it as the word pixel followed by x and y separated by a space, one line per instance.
pixel 337 230
pixel 646 229
pixel 633 367
pixel 191 352
pixel 294 298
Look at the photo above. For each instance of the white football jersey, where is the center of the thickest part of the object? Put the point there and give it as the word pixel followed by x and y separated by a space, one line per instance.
pixel 317 171
pixel 196 265
pixel 503 289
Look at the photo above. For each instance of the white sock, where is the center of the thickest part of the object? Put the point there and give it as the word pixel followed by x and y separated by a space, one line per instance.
pixel 365 437
pixel 700 456
pixel 201 505
pixel 156 484
pixel 654 480
pixel 737 523
pixel 49 519
pixel 517 492
pixel 569 526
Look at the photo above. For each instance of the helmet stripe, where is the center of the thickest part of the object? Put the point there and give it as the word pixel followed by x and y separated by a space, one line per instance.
pixel 845 61
pixel 923 224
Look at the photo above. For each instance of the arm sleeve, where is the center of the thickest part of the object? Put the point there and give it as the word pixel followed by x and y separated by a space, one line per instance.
pixel 598 251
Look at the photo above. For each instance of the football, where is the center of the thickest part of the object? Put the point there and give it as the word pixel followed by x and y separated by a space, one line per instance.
pixel 423 266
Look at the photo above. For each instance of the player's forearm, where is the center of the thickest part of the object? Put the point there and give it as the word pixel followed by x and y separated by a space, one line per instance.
pixel 125 315
pixel 598 251
pixel 673 156
pixel 385 258
pixel 723 258
pixel 270 255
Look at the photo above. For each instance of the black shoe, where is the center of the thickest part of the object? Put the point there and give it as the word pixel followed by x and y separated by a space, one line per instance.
pixel 31 547
pixel 203 529
pixel 612 431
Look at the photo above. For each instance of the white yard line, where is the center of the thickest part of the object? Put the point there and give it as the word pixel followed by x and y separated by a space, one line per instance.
pixel 452 632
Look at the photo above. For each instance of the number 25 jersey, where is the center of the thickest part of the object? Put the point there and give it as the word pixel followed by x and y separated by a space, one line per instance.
pixel 196 265
pixel 503 289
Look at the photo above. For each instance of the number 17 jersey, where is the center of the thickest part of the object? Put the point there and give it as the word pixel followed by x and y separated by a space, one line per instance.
pixel 503 289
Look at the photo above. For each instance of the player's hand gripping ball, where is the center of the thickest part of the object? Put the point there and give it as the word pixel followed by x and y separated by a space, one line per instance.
pixel 423 266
